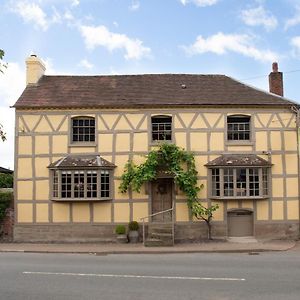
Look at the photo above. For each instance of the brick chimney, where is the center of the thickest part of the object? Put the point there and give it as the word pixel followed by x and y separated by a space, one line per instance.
pixel 275 80
pixel 35 69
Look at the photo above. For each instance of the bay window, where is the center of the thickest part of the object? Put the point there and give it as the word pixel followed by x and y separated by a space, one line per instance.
pixel 80 178
pixel 240 182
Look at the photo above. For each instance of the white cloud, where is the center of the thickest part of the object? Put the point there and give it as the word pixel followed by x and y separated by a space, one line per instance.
pixel 221 43
pixel 135 5
pixel 31 13
pixel 75 2
pixel 295 42
pixel 259 17
pixel 68 16
pixel 101 36
pixel 34 12
pixel 201 3
pixel 294 21
pixel 12 83
pixel 86 64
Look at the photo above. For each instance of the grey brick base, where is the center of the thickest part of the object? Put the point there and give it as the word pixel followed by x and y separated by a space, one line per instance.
pixel 106 233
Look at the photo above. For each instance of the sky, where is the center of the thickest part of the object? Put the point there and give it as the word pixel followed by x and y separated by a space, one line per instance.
pixel 237 38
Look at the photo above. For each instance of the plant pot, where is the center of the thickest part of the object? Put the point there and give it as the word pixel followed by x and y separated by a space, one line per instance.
pixel 133 236
pixel 122 239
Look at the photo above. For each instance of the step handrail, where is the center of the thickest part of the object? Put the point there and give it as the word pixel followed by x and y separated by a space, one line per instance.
pixel 155 214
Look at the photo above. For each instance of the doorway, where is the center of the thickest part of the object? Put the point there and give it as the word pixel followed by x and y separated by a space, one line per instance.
pixel 240 223
pixel 162 199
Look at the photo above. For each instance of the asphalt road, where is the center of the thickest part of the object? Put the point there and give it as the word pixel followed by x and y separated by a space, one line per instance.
pixel 135 277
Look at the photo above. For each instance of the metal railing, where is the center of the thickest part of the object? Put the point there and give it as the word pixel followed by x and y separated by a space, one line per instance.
pixel 159 213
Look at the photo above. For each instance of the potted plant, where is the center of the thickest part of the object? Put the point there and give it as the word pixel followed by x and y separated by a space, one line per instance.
pixel 121 234
pixel 133 234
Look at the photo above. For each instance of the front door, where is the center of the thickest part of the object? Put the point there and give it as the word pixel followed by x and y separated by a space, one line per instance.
pixel 162 199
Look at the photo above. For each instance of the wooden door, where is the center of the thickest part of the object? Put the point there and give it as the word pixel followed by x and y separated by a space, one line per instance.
pixel 240 223
pixel 162 199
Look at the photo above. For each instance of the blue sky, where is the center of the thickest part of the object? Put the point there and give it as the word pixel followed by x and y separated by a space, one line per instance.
pixel 237 38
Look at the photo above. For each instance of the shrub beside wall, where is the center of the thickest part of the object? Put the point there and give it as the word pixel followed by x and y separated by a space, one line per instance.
pixel 6 180
pixel 6 200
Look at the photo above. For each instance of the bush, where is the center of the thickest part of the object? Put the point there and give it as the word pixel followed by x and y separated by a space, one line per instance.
pixel 6 180
pixel 120 229
pixel 133 226
pixel 5 200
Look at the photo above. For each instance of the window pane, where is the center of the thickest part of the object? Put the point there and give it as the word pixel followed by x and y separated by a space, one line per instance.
pixel 265 181
pixel 241 186
pixel 161 128
pixel 91 184
pixel 215 182
pixel 79 184
pixel 55 184
pixel 105 190
pixel 253 182
pixel 238 128
pixel 228 182
pixel 83 129
pixel 66 186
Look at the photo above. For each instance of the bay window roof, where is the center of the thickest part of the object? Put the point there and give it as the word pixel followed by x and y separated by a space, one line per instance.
pixel 238 160
pixel 81 161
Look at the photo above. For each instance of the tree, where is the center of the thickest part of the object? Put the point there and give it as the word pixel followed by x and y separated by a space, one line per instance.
pixel 2 64
pixel 204 213
pixel 6 180
pixel 2 133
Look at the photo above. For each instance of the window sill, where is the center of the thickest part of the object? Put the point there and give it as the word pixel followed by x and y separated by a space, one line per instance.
pixel 239 143
pixel 80 199
pixel 157 143
pixel 82 144
pixel 240 198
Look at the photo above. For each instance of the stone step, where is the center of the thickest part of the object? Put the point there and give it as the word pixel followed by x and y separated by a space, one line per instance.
pixel 162 236
pixel 158 243
pixel 160 228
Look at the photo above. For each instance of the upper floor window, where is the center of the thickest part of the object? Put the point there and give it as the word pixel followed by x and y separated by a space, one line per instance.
pixel 161 128
pixel 238 128
pixel 83 129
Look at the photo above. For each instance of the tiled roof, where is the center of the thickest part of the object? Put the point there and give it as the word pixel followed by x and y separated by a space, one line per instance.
pixel 5 171
pixel 81 161
pixel 161 90
pixel 239 160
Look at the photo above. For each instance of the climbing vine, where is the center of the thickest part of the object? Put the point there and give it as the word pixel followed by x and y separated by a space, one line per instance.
pixel 175 161
pixel 170 159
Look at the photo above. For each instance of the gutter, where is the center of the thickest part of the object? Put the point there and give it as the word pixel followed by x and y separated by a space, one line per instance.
pixel 296 110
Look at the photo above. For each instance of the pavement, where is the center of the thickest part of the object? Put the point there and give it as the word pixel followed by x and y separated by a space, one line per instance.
pixel 232 245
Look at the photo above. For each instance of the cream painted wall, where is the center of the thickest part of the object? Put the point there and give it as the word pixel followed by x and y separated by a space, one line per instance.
pixel 38 145
pixel 42 213
pixel 102 212
pixel 25 145
pixel 61 212
pixel 121 212
pixel 262 213
pixel 81 212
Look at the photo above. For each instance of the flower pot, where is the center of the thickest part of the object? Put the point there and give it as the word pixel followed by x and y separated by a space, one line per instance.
pixel 133 236
pixel 122 239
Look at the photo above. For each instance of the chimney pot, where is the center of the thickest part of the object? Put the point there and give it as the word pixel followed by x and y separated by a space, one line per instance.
pixel 275 67
pixel 275 80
